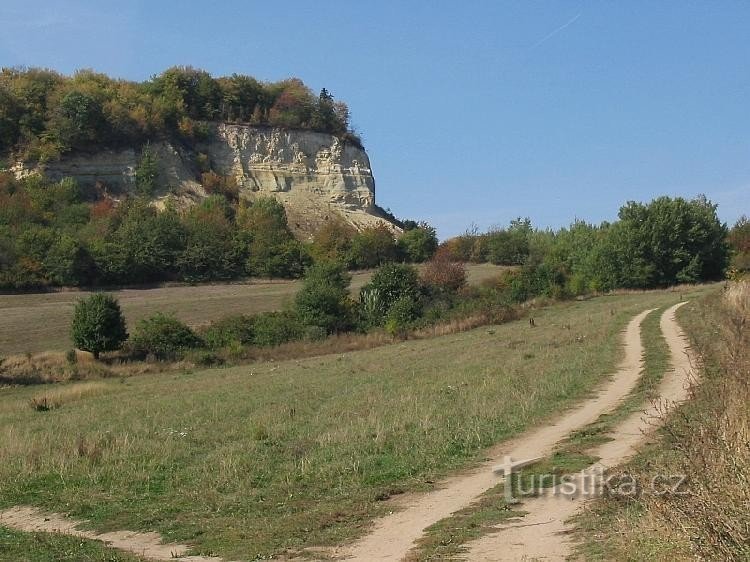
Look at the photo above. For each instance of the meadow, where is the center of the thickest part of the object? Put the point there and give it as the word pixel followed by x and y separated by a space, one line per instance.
pixel 37 322
pixel 273 457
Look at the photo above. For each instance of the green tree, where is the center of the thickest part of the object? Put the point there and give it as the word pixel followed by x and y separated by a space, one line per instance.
pixel 324 298
pixel 670 241
pixel 418 244
pixel 147 172
pixel 739 241
pixel 372 247
pixel 98 324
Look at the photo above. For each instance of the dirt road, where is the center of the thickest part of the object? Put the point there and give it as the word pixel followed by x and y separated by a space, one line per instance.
pixel 542 533
pixel 394 535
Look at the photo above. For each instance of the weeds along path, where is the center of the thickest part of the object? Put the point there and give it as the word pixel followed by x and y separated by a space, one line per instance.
pixel 145 545
pixel 542 534
pixel 394 535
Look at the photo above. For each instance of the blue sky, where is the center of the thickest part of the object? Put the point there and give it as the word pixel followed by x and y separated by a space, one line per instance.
pixel 472 112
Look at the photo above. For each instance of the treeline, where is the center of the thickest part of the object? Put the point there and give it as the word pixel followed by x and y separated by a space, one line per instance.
pixel 44 114
pixel 57 234
pixel 665 242
pixel 398 300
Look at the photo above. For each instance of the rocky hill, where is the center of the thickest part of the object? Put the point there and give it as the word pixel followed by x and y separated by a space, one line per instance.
pixel 315 175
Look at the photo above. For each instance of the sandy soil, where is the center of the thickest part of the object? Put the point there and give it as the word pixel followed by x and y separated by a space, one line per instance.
pixel 542 533
pixel 393 536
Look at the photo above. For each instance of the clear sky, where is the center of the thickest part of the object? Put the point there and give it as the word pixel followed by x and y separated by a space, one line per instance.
pixel 472 112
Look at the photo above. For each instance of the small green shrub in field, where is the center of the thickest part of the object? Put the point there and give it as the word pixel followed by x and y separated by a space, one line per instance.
pixel 401 315
pixel 324 299
pixel 229 330
pixel 393 282
pixel 275 328
pixel 98 324
pixel 370 309
pixel 204 357
pixel 163 337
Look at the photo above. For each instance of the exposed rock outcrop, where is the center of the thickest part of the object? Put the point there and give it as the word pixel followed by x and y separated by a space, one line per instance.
pixel 315 175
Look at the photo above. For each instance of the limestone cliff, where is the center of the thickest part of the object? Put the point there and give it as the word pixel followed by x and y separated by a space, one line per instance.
pixel 315 175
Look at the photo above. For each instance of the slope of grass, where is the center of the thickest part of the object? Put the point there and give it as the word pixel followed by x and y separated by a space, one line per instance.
pixel 251 461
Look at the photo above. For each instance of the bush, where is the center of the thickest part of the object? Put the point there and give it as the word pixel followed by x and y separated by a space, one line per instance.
pixel 228 331
pixel 324 298
pixel 392 283
pixel 401 316
pixel 275 328
pixel 98 324
pixel 441 276
pixel 163 337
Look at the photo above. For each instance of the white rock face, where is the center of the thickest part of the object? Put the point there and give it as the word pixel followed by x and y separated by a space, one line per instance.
pixel 315 175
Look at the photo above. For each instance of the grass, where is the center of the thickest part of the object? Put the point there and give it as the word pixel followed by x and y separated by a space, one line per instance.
pixel 712 521
pixel 32 323
pixel 273 457
pixel 446 539
pixel 44 547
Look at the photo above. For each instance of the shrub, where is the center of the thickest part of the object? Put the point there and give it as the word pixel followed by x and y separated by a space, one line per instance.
pixel 275 328
pixel 392 283
pixel 324 298
pixel 163 337
pixel 229 330
pixel 370 309
pixel 98 324
pixel 441 276
pixel 401 315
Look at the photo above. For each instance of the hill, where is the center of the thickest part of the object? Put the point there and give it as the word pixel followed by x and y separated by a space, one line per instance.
pixel 184 135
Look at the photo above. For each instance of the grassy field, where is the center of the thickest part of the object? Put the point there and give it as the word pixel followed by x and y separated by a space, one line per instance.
pixel 251 461
pixel 41 322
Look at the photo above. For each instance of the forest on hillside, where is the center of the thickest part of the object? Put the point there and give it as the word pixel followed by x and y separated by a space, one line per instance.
pixel 44 114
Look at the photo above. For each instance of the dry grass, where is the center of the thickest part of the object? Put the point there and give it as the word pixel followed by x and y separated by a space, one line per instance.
pixel 708 439
pixel 41 322
pixel 57 397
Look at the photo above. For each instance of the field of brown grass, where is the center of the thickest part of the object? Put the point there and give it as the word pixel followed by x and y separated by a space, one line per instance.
pixel 31 323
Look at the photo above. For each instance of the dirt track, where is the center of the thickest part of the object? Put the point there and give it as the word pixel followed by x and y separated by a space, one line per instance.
pixel 394 535
pixel 542 533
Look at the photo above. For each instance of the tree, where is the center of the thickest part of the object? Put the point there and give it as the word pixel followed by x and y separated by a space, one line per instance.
pixel 670 241
pixel 98 324
pixel 418 244
pixel 372 247
pixel 324 298
pixel 146 172
pixel 739 240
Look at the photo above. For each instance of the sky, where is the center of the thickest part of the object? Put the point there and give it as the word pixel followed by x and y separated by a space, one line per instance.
pixel 472 113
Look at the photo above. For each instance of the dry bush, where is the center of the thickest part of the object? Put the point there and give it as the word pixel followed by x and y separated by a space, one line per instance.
pixel 441 275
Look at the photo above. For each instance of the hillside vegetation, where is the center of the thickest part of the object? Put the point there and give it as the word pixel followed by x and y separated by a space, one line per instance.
pixel 44 114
